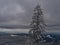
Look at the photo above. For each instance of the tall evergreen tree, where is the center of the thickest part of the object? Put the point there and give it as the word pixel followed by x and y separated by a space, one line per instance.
pixel 37 24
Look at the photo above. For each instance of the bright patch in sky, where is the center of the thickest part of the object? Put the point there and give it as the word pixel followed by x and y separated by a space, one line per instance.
pixel 12 9
pixel 14 30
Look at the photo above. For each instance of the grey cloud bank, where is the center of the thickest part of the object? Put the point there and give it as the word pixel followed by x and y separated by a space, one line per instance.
pixel 20 12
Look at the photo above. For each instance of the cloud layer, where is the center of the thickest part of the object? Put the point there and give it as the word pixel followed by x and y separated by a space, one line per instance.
pixel 20 12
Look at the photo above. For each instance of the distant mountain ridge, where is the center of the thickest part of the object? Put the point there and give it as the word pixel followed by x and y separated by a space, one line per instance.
pixel 21 34
pixel 12 33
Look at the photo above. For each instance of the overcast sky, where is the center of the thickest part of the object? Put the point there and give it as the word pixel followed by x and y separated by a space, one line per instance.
pixel 20 12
